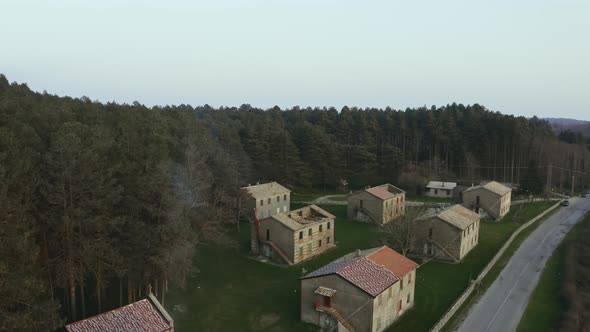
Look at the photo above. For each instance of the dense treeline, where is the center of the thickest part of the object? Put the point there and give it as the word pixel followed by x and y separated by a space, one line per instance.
pixel 108 198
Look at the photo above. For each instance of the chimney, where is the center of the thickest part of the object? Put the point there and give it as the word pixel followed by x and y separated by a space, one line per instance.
pixel 358 253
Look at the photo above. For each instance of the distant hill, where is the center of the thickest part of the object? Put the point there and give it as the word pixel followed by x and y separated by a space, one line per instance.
pixel 576 126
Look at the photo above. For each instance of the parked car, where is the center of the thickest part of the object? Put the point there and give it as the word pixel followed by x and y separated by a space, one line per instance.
pixel 565 202
pixel 584 195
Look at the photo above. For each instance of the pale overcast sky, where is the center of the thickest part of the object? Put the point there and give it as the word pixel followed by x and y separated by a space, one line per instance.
pixel 520 57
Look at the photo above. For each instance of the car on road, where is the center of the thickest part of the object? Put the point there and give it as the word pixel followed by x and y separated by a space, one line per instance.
pixel 565 202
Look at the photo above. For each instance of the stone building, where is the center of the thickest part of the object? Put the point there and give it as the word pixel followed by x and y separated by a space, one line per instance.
pixel 295 236
pixel 362 291
pixel 266 198
pixel 380 204
pixel 440 189
pixel 446 235
pixel 493 197
pixel 144 315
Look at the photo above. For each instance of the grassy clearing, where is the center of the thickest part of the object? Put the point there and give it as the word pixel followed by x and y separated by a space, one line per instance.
pixel 548 305
pixel 420 198
pixel 313 195
pixel 235 293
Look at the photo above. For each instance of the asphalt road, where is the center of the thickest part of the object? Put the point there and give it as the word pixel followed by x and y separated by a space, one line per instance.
pixel 502 306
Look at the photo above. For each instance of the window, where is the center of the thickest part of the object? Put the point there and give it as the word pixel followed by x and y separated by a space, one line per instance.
pixel 278 198
pixel 401 283
pixel 328 239
pixel 321 228
pixel 269 200
pixel 268 235
pixel 361 203
pixel 328 226
pixel 436 191
pixel 285 197
pixel 408 301
pixel 399 306
pixel 319 243
pixel 410 278
pixel 309 232
pixel 300 235
pixel 261 202
pixel 300 251
pixel 285 208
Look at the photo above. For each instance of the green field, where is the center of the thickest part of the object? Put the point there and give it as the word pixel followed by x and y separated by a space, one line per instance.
pixel 232 292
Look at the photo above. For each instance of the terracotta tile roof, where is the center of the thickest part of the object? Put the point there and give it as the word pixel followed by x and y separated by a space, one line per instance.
pixel 393 261
pixel 368 276
pixel 497 188
pixel 140 316
pixel 265 190
pixel 493 186
pixel 381 193
pixel 384 191
pixel 458 216
pixel 374 271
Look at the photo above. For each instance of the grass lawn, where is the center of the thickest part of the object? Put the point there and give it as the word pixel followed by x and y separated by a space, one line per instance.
pixel 547 305
pixel 308 196
pixel 420 198
pixel 235 293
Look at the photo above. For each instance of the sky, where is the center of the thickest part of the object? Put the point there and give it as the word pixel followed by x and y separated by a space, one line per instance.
pixel 519 57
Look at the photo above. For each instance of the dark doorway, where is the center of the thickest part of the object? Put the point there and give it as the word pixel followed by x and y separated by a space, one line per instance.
pixel 361 204
pixel 327 301
pixel 268 235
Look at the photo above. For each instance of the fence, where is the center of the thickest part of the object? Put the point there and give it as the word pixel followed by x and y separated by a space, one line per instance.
pixel 453 309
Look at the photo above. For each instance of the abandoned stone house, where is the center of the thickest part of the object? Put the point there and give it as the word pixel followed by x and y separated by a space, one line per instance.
pixel 440 189
pixel 144 315
pixel 295 236
pixel 493 197
pixel 362 291
pixel 266 198
pixel 380 204
pixel 447 235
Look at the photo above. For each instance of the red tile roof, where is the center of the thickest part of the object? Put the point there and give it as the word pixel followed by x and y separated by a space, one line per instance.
pixel 140 316
pixel 368 276
pixel 373 272
pixel 381 193
pixel 390 259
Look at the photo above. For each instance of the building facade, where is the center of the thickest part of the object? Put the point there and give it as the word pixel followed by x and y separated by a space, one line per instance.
pixel 294 236
pixel 448 235
pixel 365 291
pixel 381 204
pixel 267 199
pixel 440 189
pixel 493 197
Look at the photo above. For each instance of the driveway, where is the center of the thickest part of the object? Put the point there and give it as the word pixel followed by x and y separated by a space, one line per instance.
pixel 501 307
